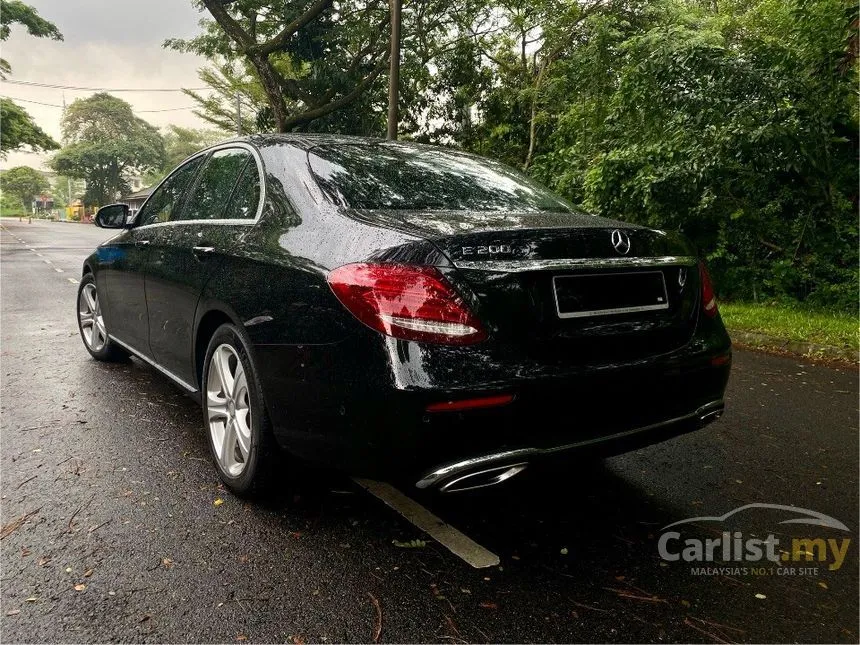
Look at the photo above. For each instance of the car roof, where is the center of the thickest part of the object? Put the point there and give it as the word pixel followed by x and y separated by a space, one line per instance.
pixel 308 140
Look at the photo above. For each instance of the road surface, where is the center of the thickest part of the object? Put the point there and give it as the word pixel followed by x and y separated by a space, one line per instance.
pixel 112 528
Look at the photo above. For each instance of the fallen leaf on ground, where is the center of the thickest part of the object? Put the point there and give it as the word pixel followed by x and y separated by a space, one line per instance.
pixel 218 502
pixel 31 599
pixel 13 612
pixel 489 605
pixel 823 585
pixel 167 562
pixel 88 573
pixel 411 544
pixel 760 596
pixel 80 587
pixel 43 561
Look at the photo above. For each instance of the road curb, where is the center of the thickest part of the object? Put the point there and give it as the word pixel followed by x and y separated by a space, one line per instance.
pixel 758 340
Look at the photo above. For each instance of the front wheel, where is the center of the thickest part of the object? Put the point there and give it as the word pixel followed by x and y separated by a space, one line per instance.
pixel 240 434
pixel 92 325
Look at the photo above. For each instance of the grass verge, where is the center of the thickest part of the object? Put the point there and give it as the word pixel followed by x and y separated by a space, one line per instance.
pixel 793 323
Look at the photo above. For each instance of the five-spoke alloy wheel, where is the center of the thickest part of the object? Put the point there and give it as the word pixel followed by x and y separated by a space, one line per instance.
pixel 228 406
pixel 91 322
pixel 240 436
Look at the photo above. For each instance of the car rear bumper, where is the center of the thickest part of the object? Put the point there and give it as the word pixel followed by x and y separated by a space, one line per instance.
pixel 493 468
pixel 335 407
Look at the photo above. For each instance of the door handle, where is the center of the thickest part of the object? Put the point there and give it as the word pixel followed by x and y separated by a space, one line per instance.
pixel 141 242
pixel 201 252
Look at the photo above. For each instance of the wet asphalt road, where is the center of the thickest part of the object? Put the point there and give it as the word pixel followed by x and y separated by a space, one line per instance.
pixel 121 538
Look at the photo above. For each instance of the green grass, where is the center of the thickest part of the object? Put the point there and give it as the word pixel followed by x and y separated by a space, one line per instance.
pixel 793 323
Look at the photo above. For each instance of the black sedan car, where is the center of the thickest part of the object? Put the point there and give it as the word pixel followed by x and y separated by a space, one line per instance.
pixel 394 309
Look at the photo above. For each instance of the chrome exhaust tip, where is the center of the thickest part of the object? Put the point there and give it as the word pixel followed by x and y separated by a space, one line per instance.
pixel 482 478
pixel 710 416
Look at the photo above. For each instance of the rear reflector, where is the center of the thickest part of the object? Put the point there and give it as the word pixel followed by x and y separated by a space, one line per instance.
pixel 721 360
pixel 709 300
pixel 471 404
pixel 406 302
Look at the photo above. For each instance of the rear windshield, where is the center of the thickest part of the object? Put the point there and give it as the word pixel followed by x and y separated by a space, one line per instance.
pixel 395 176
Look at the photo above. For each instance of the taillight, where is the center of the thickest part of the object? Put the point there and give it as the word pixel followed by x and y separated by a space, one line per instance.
pixel 407 302
pixel 709 300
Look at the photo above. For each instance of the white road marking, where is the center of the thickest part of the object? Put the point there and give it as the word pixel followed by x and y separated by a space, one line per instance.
pixel 72 280
pixel 456 542
pixel 58 270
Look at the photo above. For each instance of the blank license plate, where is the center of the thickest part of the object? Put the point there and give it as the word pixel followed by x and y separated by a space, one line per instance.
pixel 577 296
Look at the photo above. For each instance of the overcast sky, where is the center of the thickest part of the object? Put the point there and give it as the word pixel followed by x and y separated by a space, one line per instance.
pixel 110 44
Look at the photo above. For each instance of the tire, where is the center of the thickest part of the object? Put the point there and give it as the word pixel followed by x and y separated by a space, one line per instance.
pixel 91 324
pixel 238 427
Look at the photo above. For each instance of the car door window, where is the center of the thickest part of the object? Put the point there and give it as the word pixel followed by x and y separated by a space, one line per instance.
pixel 164 204
pixel 217 179
pixel 246 194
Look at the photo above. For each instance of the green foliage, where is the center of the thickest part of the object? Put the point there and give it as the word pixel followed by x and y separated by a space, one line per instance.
pixel 788 321
pixel 17 130
pixel 16 12
pixel 734 122
pixel 107 142
pixel 23 183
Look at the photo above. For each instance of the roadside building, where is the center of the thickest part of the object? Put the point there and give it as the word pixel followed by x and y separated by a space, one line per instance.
pixel 135 200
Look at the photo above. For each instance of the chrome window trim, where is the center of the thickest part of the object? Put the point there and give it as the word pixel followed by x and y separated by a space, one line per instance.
pixel 521 266
pixel 151 362
pixel 221 221
pixel 607 312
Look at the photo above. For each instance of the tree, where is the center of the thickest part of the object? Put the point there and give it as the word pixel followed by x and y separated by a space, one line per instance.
pixel 16 12
pixel 23 183
pixel 311 58
pixel 19 130
pixel 107 142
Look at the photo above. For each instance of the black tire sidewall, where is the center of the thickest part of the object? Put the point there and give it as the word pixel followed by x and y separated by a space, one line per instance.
pixel 253 478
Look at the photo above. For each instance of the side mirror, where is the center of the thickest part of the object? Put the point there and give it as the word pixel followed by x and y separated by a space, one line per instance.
pixel 112 216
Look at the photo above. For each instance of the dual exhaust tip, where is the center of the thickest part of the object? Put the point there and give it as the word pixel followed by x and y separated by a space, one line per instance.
pixel 482 478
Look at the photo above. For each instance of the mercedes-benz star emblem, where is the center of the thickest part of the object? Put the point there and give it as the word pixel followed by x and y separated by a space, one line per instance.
pixel 620 241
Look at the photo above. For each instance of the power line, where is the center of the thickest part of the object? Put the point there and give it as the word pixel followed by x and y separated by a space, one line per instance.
pixel 54 105
pixel 55 86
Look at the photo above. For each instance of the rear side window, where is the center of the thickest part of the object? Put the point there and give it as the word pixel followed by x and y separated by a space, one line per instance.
pixel 246 195
pixel 163 205
pixel 215 186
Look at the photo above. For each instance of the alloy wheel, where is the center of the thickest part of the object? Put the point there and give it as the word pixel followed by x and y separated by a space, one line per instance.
pixel 228 408
pixel 92 322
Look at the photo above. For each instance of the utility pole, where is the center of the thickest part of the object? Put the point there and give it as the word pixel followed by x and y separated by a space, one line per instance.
pixel 238 114
pixel 394 73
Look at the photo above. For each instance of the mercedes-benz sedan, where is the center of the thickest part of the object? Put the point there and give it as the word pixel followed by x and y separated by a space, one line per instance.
pixel 398 309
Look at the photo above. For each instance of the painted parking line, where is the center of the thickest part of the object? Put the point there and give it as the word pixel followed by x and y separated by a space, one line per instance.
pixel 456 542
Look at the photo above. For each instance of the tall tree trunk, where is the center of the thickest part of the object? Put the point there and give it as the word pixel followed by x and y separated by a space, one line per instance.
pixel 394 67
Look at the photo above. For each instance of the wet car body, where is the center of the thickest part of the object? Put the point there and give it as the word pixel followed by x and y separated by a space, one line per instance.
pixel 538 385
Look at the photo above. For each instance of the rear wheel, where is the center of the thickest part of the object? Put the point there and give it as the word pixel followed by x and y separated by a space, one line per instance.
pixel 240 434
pixel 92 325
